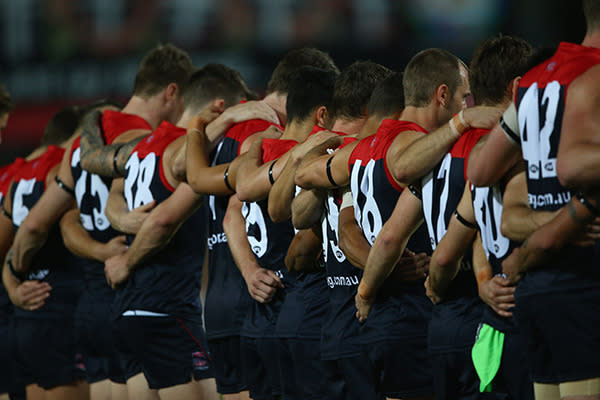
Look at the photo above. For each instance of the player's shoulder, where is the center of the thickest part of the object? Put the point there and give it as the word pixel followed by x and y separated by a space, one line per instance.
pixel 242 130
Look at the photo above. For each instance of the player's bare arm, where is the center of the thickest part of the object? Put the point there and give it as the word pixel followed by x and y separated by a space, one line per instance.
pixel 578 158
pixel 312 171
pixel 262 283
pixel 307 208
pixel 352 241
pixel 304 251
pixel 424 153
pixel 155 233
pixel 518 219
pixel 282 193
pixel 445 261
pixel 388 249
pixel 117 212
pixel 80 243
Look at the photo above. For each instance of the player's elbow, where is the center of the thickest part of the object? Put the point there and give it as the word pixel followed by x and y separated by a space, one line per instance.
pixel 302 178
pixel 402 172
pixel 277 213
pixel 33 227
pixel 443 258
pixel 569 173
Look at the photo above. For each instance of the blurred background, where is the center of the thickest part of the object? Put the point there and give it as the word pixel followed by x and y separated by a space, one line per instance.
pixel 59 52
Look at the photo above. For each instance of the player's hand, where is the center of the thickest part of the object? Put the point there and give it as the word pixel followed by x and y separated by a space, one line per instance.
pixel 116 271
pixel 272 132
pixel 31 295
pixel 263 285
pixel 430 293
pixel 590 234
pixel 512 265
pixel 483 117
pixel 208 114
pixel 254 109
pixel 323 139
pixel 116 245
pixel 363 307
pixel 499 294
pixel 411 266
pixel 133 220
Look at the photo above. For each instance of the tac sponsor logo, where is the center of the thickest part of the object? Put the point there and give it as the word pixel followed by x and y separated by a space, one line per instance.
pixel 216 238
pixel 333 281
pixel 38 275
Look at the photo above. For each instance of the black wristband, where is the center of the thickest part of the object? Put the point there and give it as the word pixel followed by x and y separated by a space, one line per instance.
pixel 415 190
pixel 271 179
pixel 591 208
pixel 226 179
pixel 463 221
pixel 328 170
pixel 63 186
pixel 19 277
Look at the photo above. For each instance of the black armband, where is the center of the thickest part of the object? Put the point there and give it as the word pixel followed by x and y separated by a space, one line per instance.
pixel 226 179
pixel 271 179
pixel 63 186
pixel 115 156
pixel 415 190
pixel 6 213
pixel 463 221
pixel 19 277
pixel 328 170
pixel 591 208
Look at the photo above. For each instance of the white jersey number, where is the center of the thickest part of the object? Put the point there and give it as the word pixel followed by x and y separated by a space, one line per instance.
pixel 98 219
pixel 19 209
pixel 369 217
pixel 253 215
pixel 139 174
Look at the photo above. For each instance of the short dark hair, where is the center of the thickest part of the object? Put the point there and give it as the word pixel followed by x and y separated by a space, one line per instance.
pixel 388 96
pixel 495 63
pixel 309 89
pixel 295 59
pixel 426 71
pixel 161 66
pixel 215 81
pixel 6 104
pixel 62 125
pixel 591 10
pixel 354 86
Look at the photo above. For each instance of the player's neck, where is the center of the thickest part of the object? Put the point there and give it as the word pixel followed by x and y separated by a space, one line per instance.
pixel 592 39
pixel 144 108
pixel 277 102
pixel 370 126
pixel 425 117
pixel 349 126
pixel 298 130
pixel 36 153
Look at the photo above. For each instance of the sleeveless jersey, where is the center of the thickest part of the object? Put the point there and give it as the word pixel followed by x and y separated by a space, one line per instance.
pixel 487 206
pixel 540 103
pixel 341 330
pixel 91 194
pixel 6 176
pixel 269 242
pixel 375 194
pixel 454 322
pixel 227 299
pixel 169 282
pixel 53 263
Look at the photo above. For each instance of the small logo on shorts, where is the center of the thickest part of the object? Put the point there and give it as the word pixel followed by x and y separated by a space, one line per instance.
pixel 200 361
pixel 79 364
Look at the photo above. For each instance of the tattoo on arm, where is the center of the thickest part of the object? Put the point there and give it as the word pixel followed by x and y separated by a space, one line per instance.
pixel 573 213
pixel 96 156
pixel 123 154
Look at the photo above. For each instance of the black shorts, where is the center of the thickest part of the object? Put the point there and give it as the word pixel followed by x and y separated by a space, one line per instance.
pixel 350 378
pixel 302 369
pixel 227 364
pixel 454 376
pixel 562 332
pixel 260 358
pixel 46 352
pixel 168 350
pixel 99 350
pixel 513 376
pixel 401 367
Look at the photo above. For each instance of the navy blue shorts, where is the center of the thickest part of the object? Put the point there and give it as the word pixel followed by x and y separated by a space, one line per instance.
pixel 260 357
pixel 168 350
pixel 10 379
pixel 454 376
pixel 302 370
pixel 513 377
pixel 227 364
pixel 562 333
pixel 402 368
pixel 99 350
pixel 46 352
pixel 350 378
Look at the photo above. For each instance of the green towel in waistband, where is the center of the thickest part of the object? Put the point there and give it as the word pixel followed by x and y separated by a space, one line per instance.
pixel 487 355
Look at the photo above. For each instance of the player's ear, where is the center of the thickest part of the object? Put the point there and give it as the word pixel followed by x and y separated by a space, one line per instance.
pixel 321 116
pixel 442 95
pixel 170 92
pixel 513 86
